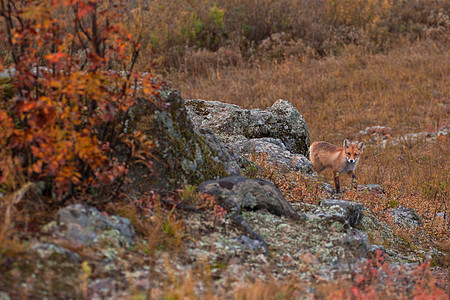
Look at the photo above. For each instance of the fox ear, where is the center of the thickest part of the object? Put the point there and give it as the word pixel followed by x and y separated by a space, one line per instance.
pixel 361 146
pixel 346 143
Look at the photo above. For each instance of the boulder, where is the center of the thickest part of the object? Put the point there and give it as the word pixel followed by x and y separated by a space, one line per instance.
pixel 230 123
pixel 224 153
pixel 181 155
pixel 275 153
pixel 236 193
pixel 84 225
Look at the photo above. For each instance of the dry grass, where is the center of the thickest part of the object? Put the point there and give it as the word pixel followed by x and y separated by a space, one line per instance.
pixel 338 96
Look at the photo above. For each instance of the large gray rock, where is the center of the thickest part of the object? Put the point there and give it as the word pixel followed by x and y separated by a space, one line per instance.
pixel 84 225
pixel 275 153
pixel 224 153
pixel 181 155
pixel 236 193
pixel 230 123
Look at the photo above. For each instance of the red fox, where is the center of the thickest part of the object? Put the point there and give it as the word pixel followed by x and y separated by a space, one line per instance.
pixel 341 160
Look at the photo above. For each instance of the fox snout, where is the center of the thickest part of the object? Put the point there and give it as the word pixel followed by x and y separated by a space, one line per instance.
pixel 352 161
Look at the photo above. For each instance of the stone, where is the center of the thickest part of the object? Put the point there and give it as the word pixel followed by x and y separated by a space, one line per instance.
pixel 236 193
pixel 351 211
pixel 224 154
pixel 230 123
pixel 275 152
pixel 181 155
pixel 250 243
pixel 53 252
pixel 374 188
pixel 84 225
pixel 406 217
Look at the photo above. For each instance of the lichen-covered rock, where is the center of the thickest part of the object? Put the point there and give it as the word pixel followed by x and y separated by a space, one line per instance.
pixel 306 249
pixel 181 155
pixel 353 211
pixel 83 225
pixel 224 153
pixel 53 252
pixel 236 193
pixel 230 123
pixel 397 248
pixel 275 153
pixel 406 217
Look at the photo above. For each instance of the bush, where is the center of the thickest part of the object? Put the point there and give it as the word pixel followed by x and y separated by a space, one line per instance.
pixel 72 69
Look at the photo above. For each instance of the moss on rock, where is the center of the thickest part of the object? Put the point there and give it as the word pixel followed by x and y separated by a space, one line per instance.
pixel 7 88
pixel 181 155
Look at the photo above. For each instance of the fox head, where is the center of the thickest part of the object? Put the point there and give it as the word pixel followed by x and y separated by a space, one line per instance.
pixel 353 151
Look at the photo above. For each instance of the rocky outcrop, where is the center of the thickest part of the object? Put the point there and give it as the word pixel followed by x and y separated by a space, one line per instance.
pixel 236 194
pixel 181 155
pixel 279 131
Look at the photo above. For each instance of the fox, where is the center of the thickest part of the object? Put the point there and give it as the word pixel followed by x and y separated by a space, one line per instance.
pixel 340 159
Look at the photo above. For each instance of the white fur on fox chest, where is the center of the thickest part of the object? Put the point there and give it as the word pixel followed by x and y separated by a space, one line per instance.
pixel 348 166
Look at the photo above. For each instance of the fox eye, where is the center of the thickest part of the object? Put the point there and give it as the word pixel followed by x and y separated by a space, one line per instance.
pixel 348 153
pixel 356 154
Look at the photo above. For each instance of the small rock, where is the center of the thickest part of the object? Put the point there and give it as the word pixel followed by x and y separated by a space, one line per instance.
pixel 50 251
pixel 371 188
pixel 250 243
pixel 4 296
pixel 406 217
pixel 84 225
pixel 353 211
pixel 328 188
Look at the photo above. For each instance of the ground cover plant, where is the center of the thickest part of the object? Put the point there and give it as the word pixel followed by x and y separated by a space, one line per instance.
pixel 345 65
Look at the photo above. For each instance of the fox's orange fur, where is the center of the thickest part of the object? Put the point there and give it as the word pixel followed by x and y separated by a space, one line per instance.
pixel 340 159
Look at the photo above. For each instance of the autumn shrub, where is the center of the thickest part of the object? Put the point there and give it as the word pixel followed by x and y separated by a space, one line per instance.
pixel 72 69
pixel 380 280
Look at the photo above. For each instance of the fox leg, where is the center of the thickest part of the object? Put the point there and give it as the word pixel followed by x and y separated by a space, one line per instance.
pixel 336 182
pixel 354 180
